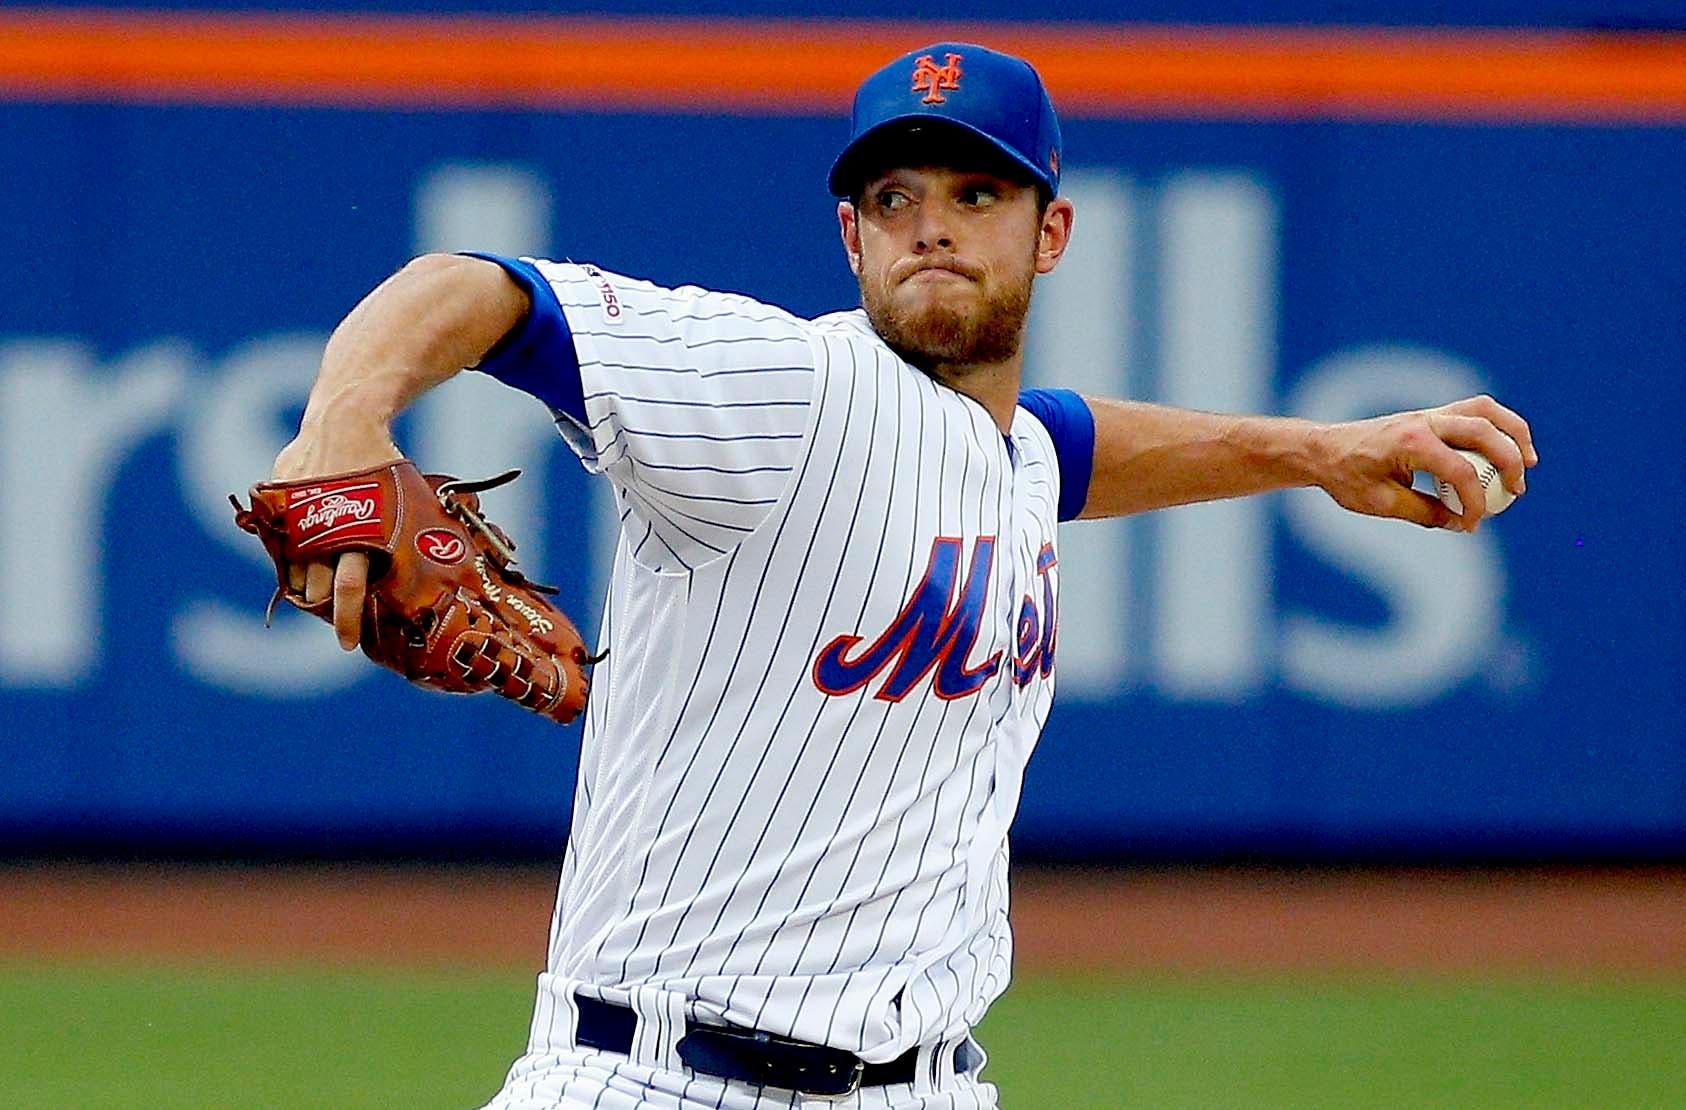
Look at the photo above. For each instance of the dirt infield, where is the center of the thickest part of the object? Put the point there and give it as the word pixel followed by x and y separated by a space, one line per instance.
pixel 1577 923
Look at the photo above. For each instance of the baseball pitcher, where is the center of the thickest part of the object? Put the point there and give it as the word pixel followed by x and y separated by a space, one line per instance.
pixel 833 625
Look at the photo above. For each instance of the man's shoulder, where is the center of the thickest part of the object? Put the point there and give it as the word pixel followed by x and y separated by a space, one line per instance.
pixel 852 329
pixel 849 325
pixel 619 294
pixel 1040 424
pixel 1028 425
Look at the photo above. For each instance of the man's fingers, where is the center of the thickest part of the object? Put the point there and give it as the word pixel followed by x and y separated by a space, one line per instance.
pixel 318 583
pixel 351 580
pixel 345 584
pixel 1506 421
pixel 295 577
pixel 1477 433
pixel 1419 508
pixel 1446 464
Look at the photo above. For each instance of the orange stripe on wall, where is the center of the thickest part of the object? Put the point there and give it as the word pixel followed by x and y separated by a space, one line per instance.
pixel 812 67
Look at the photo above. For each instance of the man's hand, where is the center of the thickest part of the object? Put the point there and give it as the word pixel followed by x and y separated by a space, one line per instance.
pixel 324 447
pixel 1367 465
pixel 447 607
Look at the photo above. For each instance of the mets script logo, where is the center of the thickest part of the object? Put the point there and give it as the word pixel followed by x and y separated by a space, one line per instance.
pixel 938 631
pixel 441 545
pixel 933 79
pixel 1033 647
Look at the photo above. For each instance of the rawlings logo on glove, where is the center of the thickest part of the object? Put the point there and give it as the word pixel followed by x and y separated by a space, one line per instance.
pixel 445 606
pixel 441 545
pixel 326 510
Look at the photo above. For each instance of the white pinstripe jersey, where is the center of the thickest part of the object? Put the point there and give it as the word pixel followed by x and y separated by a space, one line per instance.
pixel 831 634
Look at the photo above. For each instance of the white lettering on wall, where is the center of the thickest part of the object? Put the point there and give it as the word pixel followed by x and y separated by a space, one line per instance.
pixel 482 206
pixel 1217 327
pixel 1203 336
pixel 1084 336
pixel 65 427
pixel 230 435
pixel 1444 590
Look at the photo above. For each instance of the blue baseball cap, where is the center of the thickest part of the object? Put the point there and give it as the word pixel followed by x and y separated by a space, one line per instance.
pixel 959 88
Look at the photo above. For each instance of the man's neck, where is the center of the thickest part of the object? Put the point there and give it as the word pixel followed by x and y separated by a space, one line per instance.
pixel 995 386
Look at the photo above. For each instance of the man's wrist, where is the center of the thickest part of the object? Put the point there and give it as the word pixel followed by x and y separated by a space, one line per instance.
pixel 1293 452
pixel 357 405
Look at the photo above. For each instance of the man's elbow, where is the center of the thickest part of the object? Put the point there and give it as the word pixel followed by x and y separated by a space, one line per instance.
pixel 438 262
pixel 485 285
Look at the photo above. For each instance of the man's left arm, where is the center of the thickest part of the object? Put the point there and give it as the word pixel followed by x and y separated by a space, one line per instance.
pixel 1152 457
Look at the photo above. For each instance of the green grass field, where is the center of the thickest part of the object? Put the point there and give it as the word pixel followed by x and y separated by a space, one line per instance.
pixel 91 1037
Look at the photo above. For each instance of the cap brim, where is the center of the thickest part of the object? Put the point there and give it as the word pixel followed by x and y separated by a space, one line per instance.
pixel 848 171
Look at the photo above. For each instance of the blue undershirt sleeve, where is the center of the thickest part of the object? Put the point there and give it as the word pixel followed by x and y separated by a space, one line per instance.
pixel 1071 426
pixel 537 355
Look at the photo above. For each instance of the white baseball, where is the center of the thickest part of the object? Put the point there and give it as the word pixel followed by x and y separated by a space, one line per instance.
pixel 1498 497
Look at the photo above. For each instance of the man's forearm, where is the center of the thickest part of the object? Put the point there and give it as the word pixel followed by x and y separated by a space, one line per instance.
pixel 414 331
pixel 1153 457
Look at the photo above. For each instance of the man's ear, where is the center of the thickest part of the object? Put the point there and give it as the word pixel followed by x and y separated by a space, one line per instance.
pixel 1055 235
pixel 848 225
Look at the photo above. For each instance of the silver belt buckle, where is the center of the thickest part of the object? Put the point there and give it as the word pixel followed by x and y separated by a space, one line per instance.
pixel 852 1081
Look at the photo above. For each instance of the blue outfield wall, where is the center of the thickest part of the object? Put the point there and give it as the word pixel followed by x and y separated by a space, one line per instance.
pixel 1260 678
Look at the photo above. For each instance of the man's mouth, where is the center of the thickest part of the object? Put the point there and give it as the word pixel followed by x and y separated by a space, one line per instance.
pixel 937 273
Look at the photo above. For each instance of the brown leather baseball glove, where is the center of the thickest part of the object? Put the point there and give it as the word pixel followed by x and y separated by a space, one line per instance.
pixel 445 606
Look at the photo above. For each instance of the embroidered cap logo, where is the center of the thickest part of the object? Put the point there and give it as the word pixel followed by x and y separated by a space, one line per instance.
pixel 932 79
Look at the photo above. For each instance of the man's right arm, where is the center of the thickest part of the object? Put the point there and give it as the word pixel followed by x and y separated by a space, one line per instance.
pixel 417 329
pixel 1153 457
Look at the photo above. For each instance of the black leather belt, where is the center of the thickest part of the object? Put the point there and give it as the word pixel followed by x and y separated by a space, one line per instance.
pixel 752 1056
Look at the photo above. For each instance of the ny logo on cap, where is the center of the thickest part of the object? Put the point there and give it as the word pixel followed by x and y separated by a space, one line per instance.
pixel 931 78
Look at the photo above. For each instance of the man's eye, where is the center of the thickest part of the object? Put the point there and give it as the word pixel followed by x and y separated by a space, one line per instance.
pixel 981 197
pixel 890 200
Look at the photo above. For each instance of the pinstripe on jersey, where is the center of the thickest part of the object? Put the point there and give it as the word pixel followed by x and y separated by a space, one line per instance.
pixel 830 866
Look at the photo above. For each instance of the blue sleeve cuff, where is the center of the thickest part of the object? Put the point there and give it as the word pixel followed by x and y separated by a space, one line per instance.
pixel 1072 427
pixel 537 355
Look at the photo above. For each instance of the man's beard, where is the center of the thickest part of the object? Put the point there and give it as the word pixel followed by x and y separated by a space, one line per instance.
pixel 946 334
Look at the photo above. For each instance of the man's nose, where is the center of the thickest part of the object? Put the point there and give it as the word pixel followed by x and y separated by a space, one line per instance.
pixel 933 232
